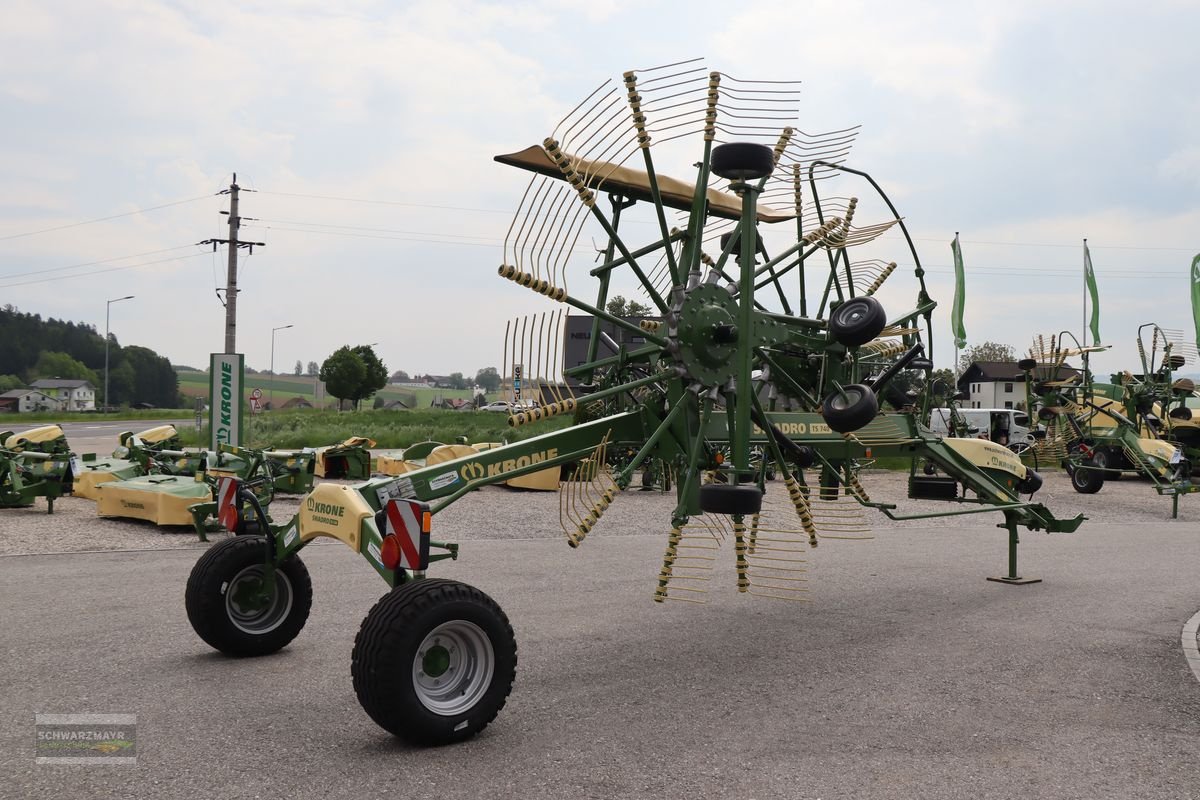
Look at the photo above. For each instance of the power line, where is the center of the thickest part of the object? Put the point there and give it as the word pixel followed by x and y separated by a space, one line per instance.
pixel 492 242
pixel 101 219
pixel 385 202
pixel 92 263
pixel 101 271
pixel 375 230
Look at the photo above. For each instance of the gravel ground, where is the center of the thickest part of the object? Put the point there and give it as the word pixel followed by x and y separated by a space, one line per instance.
pixel 500 513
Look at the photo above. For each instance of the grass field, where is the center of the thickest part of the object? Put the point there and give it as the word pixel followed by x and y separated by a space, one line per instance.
pixel 195 384
pixel 390 429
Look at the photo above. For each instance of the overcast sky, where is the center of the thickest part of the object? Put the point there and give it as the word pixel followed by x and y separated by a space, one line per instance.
pixel 368 130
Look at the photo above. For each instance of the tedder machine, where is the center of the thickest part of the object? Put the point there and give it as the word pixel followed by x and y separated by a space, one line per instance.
pixel 768 343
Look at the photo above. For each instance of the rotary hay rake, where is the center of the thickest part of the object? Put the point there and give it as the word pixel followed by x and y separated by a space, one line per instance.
pixel 755 354
pixel 1138 424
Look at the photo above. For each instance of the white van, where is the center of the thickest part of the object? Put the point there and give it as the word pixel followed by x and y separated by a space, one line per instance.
pixel 1006 426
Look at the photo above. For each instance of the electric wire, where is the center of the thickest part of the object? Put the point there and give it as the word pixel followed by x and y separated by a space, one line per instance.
pixel 9 276
pixel 101 271
pixel 101 219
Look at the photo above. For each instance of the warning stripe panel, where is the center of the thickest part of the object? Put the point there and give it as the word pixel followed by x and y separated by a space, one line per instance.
pixel 227 511
pixel 402 522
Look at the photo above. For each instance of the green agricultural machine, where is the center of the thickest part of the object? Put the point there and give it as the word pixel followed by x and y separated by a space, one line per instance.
pixel 34 463
pixel 1098 431
pixel 769 345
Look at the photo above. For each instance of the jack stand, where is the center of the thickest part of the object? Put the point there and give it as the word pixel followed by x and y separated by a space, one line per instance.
pixel 1012 577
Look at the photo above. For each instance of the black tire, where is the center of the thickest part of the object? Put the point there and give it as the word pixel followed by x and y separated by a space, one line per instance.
pixel 1086 481
pixel 1175 362
pixel 726 498
pixel 742 161
pixel 1031 483
pixel 896 397
pixel 857 321
pixel 1026 364
pixel 850 409
pixel 1180 412
pixel 221 599
pixel 392 674
pixel 1105 460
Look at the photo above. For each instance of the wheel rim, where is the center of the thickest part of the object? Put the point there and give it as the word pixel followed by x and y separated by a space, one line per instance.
pixel 852 315
pixel 842 402
pixel 248 606
pixel 453 667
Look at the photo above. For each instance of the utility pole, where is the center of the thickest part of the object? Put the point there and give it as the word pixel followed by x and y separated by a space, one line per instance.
pixel 231 290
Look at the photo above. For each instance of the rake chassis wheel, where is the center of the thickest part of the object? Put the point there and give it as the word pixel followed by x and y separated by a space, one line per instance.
pixel 434 661
pixel 234 608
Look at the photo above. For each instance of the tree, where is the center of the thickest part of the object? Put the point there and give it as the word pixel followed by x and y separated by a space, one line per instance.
pixel 457 381
pixel 343 373
pixel 618 306
pixel 378 401
pixel 376 376
pixel 61 365
pixel 10 382
pixel 400 376
pixel 154 380
pixel 988 351
pixel 299 368
pixel 312 370
pixel 488 378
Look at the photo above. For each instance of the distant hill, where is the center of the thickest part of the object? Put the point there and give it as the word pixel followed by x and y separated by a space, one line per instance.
pixel 194 383
pixel 51 348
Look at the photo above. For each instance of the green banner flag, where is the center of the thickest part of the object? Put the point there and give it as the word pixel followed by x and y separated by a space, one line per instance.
pixel 1196 295
pixel 960 296
pixel 1089 278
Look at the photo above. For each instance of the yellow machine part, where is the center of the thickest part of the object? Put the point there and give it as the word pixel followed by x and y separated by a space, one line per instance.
pixel 46 433
pixel 319 468
pixel 394 464
pixel 988 455
pixel 1157 448
pixel 1100 420
pixel 134 499
pixel 544 480
pixel 156 435
pixel 335 511
pixel 449 452
pixel 88 484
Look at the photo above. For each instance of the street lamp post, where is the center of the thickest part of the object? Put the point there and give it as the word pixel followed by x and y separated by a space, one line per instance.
pixel 107 308
pixel 272 390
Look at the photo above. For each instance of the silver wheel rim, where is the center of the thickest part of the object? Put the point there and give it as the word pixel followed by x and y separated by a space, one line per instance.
pixel 251 617
pixel 453 667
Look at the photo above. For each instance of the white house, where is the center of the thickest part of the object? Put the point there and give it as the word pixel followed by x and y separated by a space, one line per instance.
pixel 999 384
pixel 72 395
pixel 25 401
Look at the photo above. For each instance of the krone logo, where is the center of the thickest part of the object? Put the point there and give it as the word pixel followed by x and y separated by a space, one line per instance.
pixel 471 470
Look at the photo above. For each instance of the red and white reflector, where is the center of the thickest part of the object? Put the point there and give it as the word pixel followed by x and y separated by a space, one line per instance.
pixel 228 505
pixel 406 535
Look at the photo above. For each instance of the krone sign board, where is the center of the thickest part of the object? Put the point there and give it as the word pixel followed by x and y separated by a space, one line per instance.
pixel 226 372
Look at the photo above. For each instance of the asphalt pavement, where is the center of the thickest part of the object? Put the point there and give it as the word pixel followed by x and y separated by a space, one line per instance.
pixel 905 675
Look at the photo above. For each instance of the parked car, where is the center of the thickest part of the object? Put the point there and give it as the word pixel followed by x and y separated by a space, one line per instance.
pixel 498 405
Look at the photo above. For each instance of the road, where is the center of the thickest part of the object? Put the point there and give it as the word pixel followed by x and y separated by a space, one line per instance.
pixel 905 675
pixel 101 436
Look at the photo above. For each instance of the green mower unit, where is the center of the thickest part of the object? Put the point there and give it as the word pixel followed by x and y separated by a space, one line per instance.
pixel 758 356
pixel 34 463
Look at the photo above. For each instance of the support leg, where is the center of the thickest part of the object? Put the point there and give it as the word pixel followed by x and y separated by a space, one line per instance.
pixel 1013 540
